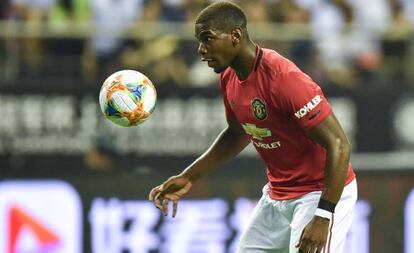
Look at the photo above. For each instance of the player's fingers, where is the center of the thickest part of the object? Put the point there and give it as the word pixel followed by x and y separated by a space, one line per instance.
pixel 306 249
pixel 175 207
pixel 312 249
pixel 157 195
pixel 305 245
pixel 158 204
pixel 153 193
pixel 319 249
pixel 158 199
pixel 166 185
pixel 164 206
pixel 157 191
pixel 300 241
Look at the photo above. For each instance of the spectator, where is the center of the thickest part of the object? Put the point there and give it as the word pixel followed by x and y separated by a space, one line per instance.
pixel 111 19
pixel 408 9
pixel 157 56
pixel 32 49
pixel 5 9
pixel 395 44
pixel 173 11
pixel 65 55
pixel 290 13
pixel 343 43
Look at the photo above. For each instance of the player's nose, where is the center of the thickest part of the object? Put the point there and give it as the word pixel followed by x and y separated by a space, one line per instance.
pixel 201 49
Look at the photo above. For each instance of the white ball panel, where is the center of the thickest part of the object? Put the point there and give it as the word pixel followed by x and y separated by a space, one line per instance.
pixel 149 98
pixel 123 101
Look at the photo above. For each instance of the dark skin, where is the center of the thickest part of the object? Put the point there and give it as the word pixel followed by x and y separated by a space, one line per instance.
pixel 235 50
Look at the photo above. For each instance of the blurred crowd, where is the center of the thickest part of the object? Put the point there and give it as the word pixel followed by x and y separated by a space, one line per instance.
pixel 351 43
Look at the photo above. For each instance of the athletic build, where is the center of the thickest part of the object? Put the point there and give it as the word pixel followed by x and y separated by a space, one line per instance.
pixel 271 103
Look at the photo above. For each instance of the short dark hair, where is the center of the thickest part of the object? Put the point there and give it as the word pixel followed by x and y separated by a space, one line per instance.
pixel 223 15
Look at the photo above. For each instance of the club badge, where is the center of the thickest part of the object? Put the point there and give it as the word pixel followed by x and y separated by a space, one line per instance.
pixel 259 109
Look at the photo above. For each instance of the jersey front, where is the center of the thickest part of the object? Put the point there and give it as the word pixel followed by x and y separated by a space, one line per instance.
pixel 276 105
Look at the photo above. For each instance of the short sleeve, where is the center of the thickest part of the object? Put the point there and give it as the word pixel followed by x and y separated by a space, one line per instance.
pixel 302 99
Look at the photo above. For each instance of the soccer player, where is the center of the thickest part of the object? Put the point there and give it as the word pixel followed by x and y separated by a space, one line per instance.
pixel 308 202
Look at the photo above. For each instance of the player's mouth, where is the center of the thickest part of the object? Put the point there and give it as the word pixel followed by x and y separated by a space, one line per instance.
pixel 210 62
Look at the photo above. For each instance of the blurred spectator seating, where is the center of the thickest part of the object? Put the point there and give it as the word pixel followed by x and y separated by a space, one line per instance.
pixel 345 43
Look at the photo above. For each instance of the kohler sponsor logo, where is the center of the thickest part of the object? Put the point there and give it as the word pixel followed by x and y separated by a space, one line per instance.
pixel 308 107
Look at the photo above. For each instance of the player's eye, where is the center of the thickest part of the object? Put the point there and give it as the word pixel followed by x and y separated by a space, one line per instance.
pixel 206 39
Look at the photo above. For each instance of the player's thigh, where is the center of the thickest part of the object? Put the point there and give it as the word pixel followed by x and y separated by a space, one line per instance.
pixel 342 219
pixel 339 225
pixel 268 230
pixel 303 212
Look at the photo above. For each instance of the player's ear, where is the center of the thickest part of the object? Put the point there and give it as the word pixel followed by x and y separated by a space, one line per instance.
pixel 236 35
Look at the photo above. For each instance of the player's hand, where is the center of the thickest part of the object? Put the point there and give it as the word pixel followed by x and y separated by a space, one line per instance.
pixel 314 236
pixel 171 190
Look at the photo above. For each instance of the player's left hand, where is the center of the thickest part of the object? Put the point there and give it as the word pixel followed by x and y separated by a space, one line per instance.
pixel 314 236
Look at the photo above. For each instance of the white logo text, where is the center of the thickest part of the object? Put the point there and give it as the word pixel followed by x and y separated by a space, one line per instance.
pixel 308 107
pixel 272 145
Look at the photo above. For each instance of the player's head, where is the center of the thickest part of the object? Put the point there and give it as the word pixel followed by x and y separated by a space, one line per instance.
pixel 221 31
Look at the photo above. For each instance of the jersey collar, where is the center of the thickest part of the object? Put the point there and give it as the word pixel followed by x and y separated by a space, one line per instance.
pixel 258 58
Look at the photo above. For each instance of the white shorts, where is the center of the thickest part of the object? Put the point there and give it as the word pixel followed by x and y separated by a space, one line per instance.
pixel 275 226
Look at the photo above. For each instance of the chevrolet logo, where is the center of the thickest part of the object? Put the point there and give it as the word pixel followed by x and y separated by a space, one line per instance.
pixel 255 132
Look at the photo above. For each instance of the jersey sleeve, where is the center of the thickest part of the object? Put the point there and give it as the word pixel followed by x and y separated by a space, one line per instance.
pixel 302 99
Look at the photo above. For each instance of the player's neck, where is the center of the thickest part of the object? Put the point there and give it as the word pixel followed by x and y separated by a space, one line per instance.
pixel 244 61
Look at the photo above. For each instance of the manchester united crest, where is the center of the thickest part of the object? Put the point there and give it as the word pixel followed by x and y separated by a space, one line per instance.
pixel 259 109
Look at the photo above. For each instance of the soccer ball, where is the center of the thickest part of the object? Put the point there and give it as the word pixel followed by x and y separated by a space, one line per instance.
pixel 127 98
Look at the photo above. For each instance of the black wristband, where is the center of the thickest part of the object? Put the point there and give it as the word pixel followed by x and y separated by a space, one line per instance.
pixel 326 205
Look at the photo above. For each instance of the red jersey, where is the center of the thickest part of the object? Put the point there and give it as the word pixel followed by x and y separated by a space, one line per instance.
pixel 276 105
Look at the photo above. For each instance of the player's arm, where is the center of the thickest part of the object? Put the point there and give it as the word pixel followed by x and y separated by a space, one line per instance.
pixel 230 142
pixel 299 96
pixel 330 135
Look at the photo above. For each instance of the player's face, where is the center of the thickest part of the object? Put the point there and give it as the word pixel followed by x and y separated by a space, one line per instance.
pixel 215 47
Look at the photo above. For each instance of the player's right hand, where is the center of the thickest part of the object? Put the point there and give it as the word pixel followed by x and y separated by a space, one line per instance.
pixel 171 190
